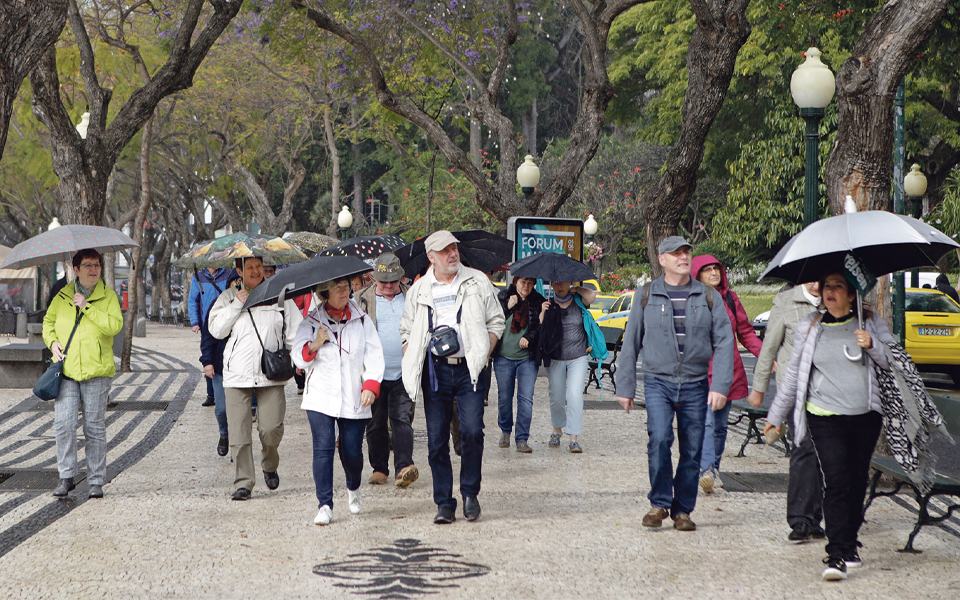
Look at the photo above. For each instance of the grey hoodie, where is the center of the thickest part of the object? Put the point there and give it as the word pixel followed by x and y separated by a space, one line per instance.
pixel 652 337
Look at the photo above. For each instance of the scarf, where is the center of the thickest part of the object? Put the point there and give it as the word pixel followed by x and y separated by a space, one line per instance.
pixel 338 316
pixel 910 418
pixel 521 316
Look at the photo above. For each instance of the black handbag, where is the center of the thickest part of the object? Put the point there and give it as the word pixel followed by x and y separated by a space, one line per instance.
pixel 444 341
pixel 275 364
pixel 48 386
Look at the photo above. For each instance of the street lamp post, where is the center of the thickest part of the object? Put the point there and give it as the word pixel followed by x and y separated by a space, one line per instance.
pixel 528 176
pixel 914 187
pixel 812 87
pixel 345 221
pixel 590 228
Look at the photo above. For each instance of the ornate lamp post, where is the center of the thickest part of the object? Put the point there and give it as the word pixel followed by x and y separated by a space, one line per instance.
pixel 914 187
pixel 590 228
pixel 812 87
pixel 345 221
pixel 528 176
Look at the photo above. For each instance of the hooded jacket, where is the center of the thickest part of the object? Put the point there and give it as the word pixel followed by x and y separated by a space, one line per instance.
pixel 91 352
pixel 534 303
pixel 943 285
pixel 204 291
pixel 739 321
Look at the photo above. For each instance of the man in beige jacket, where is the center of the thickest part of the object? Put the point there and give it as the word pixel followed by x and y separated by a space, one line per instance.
pixel 460 298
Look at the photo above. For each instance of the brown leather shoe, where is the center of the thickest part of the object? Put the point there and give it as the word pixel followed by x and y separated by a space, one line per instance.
pixel 683 522
pixel 655 517
pixel 407 475
pixel 377 478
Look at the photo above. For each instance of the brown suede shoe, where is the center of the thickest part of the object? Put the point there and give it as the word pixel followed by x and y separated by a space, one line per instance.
pixel 377 478
pixel 407 475
pixel 683 522
pixel 655 517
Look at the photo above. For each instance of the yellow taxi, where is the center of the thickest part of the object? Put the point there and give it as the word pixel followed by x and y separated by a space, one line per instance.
pixel 618 313
pixel 933 331
pixel 602 305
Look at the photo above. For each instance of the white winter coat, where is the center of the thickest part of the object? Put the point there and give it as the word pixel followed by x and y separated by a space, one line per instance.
pixel 241 356
pixel 481 315
pixel 335 377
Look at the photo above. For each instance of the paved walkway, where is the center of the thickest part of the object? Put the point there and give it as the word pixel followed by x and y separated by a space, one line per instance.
pixel 554 525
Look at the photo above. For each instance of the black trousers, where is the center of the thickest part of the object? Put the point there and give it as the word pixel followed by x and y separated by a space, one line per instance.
pixel 805 486
pixel 844 445
pixel 395 404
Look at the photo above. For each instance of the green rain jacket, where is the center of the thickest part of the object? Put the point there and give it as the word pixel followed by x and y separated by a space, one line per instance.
pixel 91 351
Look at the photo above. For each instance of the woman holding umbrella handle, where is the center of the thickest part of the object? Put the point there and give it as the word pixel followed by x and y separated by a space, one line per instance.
pixel 837 398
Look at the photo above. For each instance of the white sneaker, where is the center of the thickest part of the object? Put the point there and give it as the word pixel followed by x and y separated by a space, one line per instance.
pixel 717 482
pixel 706 483
pixel 324 516
pixel 356 501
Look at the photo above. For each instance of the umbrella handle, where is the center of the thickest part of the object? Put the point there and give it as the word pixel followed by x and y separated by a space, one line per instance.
pixel 849 357
pixel 283 294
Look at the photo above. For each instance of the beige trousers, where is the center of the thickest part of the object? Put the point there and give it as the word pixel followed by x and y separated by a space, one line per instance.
pixel 271 408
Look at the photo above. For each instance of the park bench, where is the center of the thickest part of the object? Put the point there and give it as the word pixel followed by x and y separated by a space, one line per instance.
pixel 21 365
pixel 754 433
pixel 944 485
pixel 613 336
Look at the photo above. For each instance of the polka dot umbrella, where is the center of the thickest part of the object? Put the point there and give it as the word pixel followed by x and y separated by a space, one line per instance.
pixel 365 248
pixel 59 245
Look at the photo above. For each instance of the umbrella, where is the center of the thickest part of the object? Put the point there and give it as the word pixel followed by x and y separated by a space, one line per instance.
pixel 551 266
pixel 59 244
pixel 367 247
pixel 301 278
pixel 479 249
pixel 309 242
pixel 882 242
pixel 221 252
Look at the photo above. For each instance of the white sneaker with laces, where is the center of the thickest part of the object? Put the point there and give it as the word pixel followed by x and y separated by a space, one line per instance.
pixel 706 483
pixel 355 500
pixel 324 516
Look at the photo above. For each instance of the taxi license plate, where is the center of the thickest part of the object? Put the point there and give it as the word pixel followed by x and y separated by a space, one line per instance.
pixel 935 331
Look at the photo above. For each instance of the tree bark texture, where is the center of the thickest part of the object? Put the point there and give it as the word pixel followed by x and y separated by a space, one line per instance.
pixel 270 223
pixel 84 166
pixel 333 229
pixel 27 29
pixel 722 29
pixel 861 160
pixel 498 196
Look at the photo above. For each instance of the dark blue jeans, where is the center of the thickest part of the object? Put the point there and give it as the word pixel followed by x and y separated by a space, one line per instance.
pixel 523 373
pixel 688 401
pixel 453 383
pixel 324 444
pixel 394 404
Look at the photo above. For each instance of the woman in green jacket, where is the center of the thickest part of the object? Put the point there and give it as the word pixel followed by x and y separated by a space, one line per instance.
pixel 88 368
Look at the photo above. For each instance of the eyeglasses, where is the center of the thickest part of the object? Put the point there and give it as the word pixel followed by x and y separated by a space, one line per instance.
pixel 89 265
pixel 395 281
pixel 710 269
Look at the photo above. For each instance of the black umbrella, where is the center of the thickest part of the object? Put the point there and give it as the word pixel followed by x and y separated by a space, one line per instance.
pixel 479 249
pixel 301 278
pixel 551 266
pixel 367 247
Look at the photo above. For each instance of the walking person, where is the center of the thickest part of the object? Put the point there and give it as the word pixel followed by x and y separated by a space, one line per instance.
pixel 457 305
pixel 211 357
pixel 78 328
pixel 676 326
pixel 943 284
pixel 516 360
pixel 339 348
pixel 834 397
pixel 568 337
pixel 206 287
pixel 383 302
pixel 805 482
pixel 251 331
pixel 708 270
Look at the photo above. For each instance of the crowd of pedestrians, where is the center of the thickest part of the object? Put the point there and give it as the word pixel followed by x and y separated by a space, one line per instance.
pixel 363 358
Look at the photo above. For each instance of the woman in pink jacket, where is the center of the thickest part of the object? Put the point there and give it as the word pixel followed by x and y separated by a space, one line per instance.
pixel 709 271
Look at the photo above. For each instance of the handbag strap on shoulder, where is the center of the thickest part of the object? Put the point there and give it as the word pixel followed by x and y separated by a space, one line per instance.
pixel 283 330
pixel 430 317
pixel 254 321
pixel 70 339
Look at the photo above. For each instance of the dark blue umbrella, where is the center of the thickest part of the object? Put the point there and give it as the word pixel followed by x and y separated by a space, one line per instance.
pixel 301 278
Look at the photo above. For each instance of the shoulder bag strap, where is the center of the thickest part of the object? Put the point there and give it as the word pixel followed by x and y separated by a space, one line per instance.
pixel 70 339
pixel 252 320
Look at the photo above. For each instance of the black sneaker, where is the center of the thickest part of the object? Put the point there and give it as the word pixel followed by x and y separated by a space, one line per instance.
pixel 209 401
pixel 836 569
pixel 818 533
pixel 801 532
pixel 853 560
pixel 272 479
pixel 241 494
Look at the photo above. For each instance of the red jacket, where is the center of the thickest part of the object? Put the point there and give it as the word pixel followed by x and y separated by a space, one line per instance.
pixel 742 328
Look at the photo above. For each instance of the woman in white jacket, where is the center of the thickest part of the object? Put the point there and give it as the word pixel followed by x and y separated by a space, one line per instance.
pixel 340 350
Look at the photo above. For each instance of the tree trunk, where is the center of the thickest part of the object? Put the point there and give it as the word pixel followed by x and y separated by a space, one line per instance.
pixel 861 160
pixel 333 229
pixel 160 273
pixel 532 133
pixel 358 212
pixel 133 282
pixel 722 29
pixel 27 29
pixel 476 152
pixel 270 223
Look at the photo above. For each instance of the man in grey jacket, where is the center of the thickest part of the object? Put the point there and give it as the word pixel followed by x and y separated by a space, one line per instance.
pixel 676 329
pixel 805 485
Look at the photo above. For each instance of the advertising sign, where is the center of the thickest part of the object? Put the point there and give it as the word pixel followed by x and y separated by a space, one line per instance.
pixel 545 234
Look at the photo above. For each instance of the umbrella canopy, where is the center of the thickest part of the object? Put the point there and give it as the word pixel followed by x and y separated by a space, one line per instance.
pixel 301 278
pixel 309 242
pixel 367 247
pixel 222 252
pixel 881 241
pixel 61 243
pixel 551 266
pixel 479 249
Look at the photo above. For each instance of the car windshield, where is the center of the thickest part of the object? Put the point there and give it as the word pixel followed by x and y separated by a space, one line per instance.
pixel 921 302
pixel 602 303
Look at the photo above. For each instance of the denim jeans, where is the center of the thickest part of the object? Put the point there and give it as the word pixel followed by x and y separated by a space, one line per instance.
pixel 453 382
pixel 324 444
pixel 688 401
pixel 219 403
pixel 714 438
pixel 92 395
pixel 394 404
pixel 566 379
pixel 844 445
pixel 523 372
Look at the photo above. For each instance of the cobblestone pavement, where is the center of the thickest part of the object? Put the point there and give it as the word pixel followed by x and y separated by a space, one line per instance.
pixel 555 525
